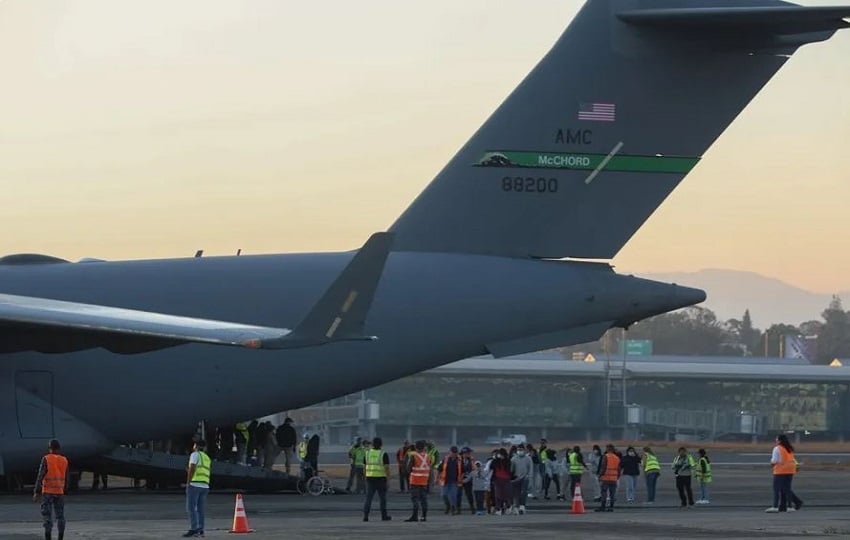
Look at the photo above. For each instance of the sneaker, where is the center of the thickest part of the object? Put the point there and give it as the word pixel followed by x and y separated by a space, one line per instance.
pixel 649 503
pixel 412 519
pixel 423 519
pixel 365 518
pixel 522 509
pixel 189 534
pixel 598 509
pixel 772 510
pixel 792 509
pixel 609 509
pixel 497 513
pixel 798 505
pixel 597 499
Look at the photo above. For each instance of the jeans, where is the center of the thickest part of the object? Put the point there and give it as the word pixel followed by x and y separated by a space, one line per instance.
pixel 479 501
pixel 376 485
pixel 402 479
pixel 553 480
pixel 575 480
pixel 651 483
pixel 520 488
pixel 782 491
pixel 451 496
pixel 609 491
pixel 53 504
pixel 465 488
pixel 196 498
pixel 683 484
pixel 703 491
pixel 631 487
pixel 419 496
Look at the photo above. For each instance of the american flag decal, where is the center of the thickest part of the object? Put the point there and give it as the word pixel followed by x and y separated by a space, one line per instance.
pixel 597 112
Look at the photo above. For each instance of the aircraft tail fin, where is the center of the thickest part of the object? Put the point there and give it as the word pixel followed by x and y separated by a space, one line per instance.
pixel 607 125
pixel 340 314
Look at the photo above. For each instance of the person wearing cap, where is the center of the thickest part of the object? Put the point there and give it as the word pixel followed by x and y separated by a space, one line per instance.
pixel 51 483
pixel 197 488
pixel 451 477
pixel 286 438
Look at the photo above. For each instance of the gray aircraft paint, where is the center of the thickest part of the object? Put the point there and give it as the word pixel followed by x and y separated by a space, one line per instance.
pixel 443 296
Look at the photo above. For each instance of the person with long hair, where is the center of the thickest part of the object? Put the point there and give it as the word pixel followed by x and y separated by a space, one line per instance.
pixel 784 466
pixel 651 470
pixel 703 474
pixel 501 476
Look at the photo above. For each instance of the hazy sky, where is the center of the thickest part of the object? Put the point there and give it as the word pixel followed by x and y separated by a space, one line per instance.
pixel 152 128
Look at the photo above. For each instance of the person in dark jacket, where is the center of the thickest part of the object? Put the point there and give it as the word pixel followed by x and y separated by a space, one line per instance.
pixel 286 439
pixel 630 467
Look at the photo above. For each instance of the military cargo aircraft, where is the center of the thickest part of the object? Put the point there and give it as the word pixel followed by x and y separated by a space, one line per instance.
pixel 500 253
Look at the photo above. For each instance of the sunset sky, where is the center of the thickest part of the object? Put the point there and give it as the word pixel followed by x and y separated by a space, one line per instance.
pixel 145 129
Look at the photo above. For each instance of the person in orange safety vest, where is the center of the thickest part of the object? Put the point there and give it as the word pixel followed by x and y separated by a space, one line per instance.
pixel 609 474
pixel 51 482
pixel 419 464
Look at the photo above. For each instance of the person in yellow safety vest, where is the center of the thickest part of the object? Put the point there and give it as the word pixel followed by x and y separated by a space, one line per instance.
pixel 302 447
pixel 435 463
pixel 51 482
pixel 576 468
pixel 352 455
pixel 377 476
pixel 197 488
pixel 703 474
pixel 652 470
pixel 242 439
pixel 784 466
pixel 419 465
pixel 683 467
pixel 609 475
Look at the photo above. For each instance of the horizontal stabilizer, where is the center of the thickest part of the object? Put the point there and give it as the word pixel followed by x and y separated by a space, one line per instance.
pixel 54 326
pixel 788 19
pixel 562 338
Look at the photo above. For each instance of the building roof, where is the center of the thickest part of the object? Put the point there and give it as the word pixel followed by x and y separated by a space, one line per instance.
pixel 654 368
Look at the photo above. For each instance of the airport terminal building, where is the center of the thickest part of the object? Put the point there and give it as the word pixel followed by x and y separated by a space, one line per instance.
pixel 641 397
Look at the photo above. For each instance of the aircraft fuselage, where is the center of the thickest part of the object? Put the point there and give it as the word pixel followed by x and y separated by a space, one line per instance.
pixel 430 309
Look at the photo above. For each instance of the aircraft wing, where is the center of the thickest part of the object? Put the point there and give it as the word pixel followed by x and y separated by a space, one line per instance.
pixel 53 326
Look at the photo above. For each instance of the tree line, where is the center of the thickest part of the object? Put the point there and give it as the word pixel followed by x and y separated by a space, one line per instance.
pixel 696 331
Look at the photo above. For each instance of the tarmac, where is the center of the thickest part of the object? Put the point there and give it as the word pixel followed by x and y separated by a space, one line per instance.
pixel 739 497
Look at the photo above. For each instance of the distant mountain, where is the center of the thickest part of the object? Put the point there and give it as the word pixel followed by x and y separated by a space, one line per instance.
pixel 769 300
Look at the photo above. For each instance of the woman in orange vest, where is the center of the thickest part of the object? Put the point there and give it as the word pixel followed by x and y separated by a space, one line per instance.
pixel 51 481
pixel 784 467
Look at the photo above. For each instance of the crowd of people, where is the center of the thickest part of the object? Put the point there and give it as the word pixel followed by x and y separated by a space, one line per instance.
pixel 503 482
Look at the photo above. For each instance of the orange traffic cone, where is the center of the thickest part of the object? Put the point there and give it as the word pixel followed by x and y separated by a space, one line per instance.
pixel 578 502
pixel 240 521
